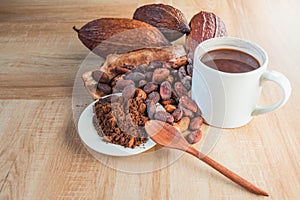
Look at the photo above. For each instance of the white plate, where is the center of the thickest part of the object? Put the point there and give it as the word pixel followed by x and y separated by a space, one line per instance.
pixel 90 137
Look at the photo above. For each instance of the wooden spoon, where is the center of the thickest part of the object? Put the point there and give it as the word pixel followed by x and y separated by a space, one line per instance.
pixel 168 136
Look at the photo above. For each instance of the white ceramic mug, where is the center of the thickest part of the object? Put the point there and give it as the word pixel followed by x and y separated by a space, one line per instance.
pixel 229 100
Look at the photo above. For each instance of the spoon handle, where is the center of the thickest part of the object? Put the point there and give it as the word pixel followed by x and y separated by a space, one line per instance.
pixel 226 172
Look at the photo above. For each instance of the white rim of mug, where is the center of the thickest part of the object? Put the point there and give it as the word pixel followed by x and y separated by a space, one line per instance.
pixel 262 66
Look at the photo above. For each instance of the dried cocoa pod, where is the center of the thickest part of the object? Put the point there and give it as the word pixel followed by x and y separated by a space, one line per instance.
pixel 150 87
pixel 100 76
pixel 204 25
pixel 169 20
pixel 117 35
pixel 188 103
pixel 180 89
pixel 165 90
pixel 164 116
pixel 194 136
pixel 196 123
pixel 177 114
pixel 154 96
pixel 160 75
pixel 105 88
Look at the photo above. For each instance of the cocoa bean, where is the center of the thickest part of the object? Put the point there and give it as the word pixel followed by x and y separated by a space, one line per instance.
pixel 188 103
pixel 105 88
pixel 128 92
pixel 100 77
pixel 180 89
pixel 170 108
pixel 177 114
pixel 148 76
pixel 151 109
pixel 135 76
pixel 194 136
pixel 154 96
pixel 155 64
pixel 169 101
pixel 164 116
pixel 150 87
pixel 189 70
pixel 141 68
pixel 170 79
pixel 186 112
pixel 139 93
pixel 182 72
pixel 196 123
pixel 116 79
pixel 142 83
pixel 165 90
pixel 187 82
pixel 160 75
pixel 121 84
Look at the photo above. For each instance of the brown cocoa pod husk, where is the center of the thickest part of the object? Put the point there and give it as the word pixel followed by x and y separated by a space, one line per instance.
pixel 105 88
pixel 169 20
pixel 119 35
pixel 100 76
pixel 194 136
pixel 165 90
pixel 121 70
pixel 204 25
pixel 195 123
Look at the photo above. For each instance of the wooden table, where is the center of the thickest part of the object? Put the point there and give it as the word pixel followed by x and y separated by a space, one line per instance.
pixel 41 155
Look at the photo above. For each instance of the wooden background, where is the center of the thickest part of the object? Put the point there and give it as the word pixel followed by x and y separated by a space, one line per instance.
pixel 41 156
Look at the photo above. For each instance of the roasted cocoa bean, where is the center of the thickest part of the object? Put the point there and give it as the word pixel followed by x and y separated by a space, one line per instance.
pixel 187 82
pixel 128 91
pixel 155 64
pixel 121 84
pixel 189 70
pixel 150 87
pixel 180 89
pixel 165 90
pixel 139 93
pixel 142 83
pixel 135 76
pixel 196 123
pixel 177 114
pixel 188 103
pixel 164 116
pixel 105 88
pixel 194 136
pixel 151 109
pixel 160 75
pixel 183 124
pixel 148 76
pixel 154 96
pixel 182 72
pixel 170 108
pixel 100 77
pixel 141 68
pixel 186 112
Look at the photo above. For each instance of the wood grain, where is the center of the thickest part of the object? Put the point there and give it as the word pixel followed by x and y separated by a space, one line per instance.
pixel 41 155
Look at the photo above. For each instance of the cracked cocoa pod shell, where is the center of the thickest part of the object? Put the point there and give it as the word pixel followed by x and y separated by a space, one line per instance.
pixel 204 25
pixel 119 35
pixel 169 20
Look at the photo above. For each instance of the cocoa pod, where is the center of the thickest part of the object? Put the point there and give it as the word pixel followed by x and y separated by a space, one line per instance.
pixel 177 114
pixel 150 87
pixel 105 88
pixel 165 90
pixel 164 116
pixel 194 136
pixel 188 103
pixel 154 96
pixel 100 76
pixel 180 89
pixel 169 20
pixel 119 35
pixel 204 25
pixel 160 75
pixel 196 123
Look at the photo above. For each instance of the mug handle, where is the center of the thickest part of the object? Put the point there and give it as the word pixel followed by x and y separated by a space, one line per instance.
pixel 286 89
